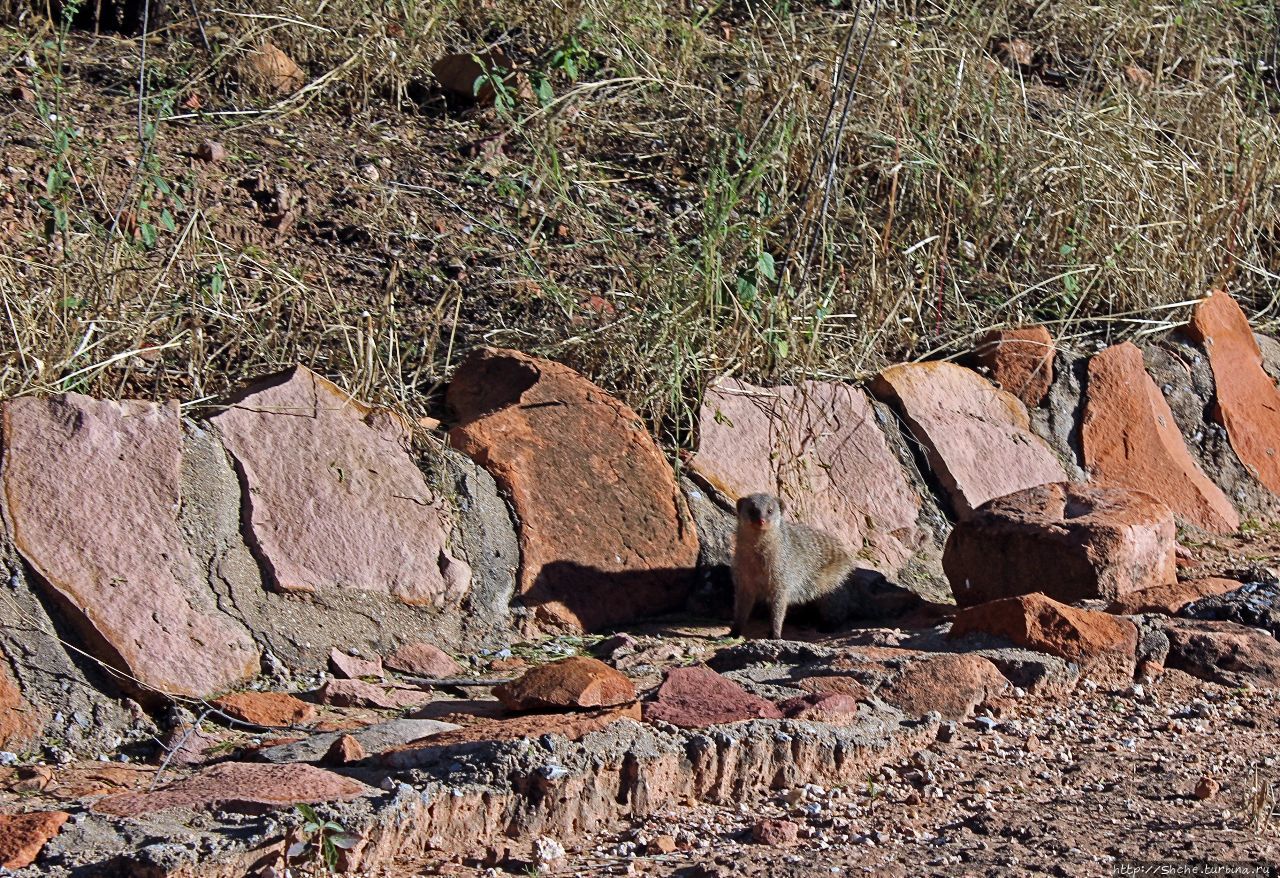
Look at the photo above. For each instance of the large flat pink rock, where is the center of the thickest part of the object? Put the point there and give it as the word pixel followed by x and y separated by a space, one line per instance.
pixel 1130 439
pixel 604 535
pixel 233 785
pixel 334 500
pixel 91 491
pixel 977 437
pixel 818 446
pixel 1247 401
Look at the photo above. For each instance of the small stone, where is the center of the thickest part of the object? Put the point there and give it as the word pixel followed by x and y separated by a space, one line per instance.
pixel 353 667
pixel 776 833
pixel 344 751
pixel 211 151
pixel 1206 788
pixel 662 844
pixel 576 682
pixel 547 851
pixel 423 660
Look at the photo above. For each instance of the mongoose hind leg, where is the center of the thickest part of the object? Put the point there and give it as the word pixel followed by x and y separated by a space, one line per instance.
pixel 777 613
pixel 834 609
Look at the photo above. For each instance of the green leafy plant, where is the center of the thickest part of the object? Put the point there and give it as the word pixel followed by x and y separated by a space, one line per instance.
pixel 321 839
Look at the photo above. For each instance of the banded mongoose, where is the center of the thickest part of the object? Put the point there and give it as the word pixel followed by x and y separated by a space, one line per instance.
pixel 785 563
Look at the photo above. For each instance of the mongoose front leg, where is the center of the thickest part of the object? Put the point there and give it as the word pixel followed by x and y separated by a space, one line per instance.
pixel 743 604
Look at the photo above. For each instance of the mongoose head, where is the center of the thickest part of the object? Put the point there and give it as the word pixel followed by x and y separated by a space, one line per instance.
pixel 760 510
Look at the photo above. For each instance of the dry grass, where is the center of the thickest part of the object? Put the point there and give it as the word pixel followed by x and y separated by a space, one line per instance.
pixel 687 175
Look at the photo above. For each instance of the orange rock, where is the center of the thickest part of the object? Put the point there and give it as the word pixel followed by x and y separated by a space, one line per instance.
pixel 271 69
pixel 1068 541
pixel 1102 644
pixel 1020 361
pixel 1171 597
pixel 977 437
pixel 573 682
pixel 22 836
pixel 266 708
pixel 604 534
pixel 19 723
pixel 1246 400
pixel 344 751
pixel 1130 439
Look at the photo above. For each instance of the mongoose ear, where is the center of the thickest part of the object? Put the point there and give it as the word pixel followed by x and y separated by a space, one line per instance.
pixel 782 507
pixel 741 504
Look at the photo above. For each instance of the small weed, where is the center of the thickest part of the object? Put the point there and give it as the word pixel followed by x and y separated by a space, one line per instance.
pixel 1259 802
pixel 321 839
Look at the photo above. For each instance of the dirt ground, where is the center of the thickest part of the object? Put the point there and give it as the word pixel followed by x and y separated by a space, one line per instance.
pixel 1177 771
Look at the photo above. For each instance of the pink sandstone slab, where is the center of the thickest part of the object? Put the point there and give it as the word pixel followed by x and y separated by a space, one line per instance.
pixel 604 535
pixel 817 445
pixel 334 499
pixel 232 785
pixel 91 495
pixel 977 438
pixel 1247 401
pixel 1130 439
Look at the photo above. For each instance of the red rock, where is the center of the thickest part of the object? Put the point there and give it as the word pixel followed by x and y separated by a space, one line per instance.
pixel 358 693
pixel 1103 645
pixel 20 725
pixel 1247 402
pixel 1224 653
pixel 236 785
pixel 977 438
pixel 107 544
pixel 266 708
pixel 821 707
pixel 353 667
pixel 423 660
pixel 1020 361
pixel 577 682
pixel 573 726
pixel 23 836
pixel 1171 597
pixel 1068 541
pixel 344 751
pixel 605 537
pixel 1131 440
pixel 346 507
pixel 778 833
pixel 953 685
pixel 819 446
pixel 1206 788
pixel 697 696
pixel 187 745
